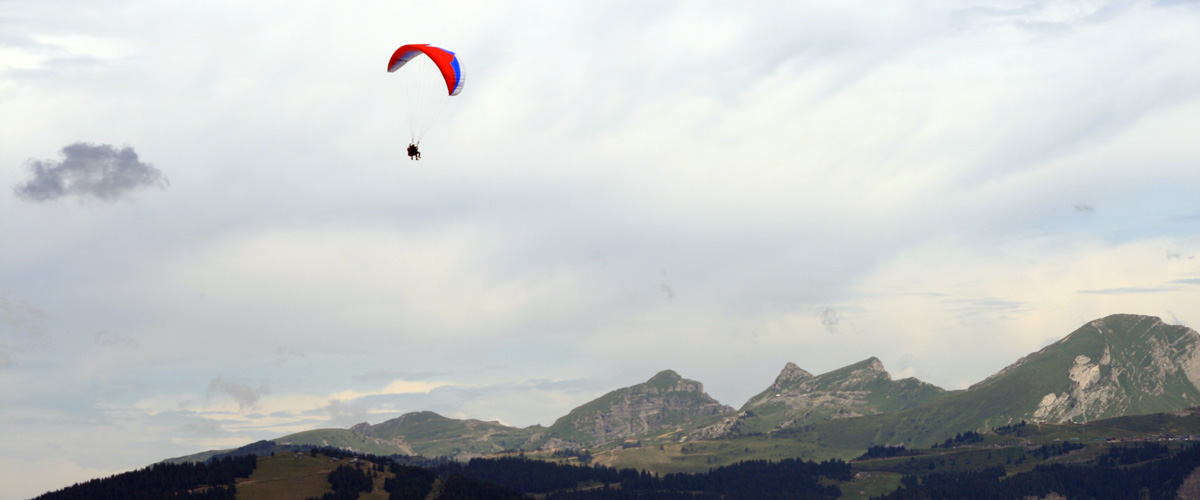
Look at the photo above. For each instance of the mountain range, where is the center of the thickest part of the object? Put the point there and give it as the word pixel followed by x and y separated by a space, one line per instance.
pixel 1116 366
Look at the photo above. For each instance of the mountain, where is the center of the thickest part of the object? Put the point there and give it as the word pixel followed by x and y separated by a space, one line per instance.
pixel 863 388
pixel 1119 365
pixel 1115 366
pixel 429 434
pixel 347 439
pixel 664 402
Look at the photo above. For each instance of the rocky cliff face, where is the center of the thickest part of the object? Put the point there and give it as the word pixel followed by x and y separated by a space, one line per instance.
pixel 1119 365
pixel 664 402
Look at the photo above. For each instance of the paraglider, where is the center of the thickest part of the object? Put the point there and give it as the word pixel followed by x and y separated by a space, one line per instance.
pixel 429 76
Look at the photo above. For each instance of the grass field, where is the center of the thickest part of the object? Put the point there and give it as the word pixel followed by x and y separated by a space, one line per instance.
pixel 288 476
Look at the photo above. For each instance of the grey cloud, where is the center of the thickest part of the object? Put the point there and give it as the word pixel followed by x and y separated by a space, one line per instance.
pixel 346 413
pixel 6 361
pixel 243 394
pixel 830 319
pixel 667 288
pixel 89 170
pixel 288 353
pixel 378 375
pixel 1191 281
pixel 21 316
pixel 983 304
pixel 1084 208
pixel 203 427
pixel 187 423
pixel 109 339
pixel 972 311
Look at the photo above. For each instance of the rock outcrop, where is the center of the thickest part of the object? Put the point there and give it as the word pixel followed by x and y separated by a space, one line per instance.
pixel 1118 365
pixel 863 388
pixel 664 402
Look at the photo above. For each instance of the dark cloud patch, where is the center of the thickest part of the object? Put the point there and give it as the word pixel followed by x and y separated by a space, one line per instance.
pixel 21 316
pixel 830 319
pixel 88 170
pixel 6 360
pixel 1085 209
pixel 243 394
pixel 1178 256
pixel 667 288
pixel 1190 281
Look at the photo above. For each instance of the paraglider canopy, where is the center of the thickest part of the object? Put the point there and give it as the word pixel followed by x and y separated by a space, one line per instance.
pixel 426 84
pixel 445 60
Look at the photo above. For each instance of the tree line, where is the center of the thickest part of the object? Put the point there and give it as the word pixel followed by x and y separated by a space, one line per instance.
pixel 1159 478
pixel 212 480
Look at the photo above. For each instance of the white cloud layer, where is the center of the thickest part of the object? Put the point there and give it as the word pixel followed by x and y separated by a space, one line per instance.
pixel 621 188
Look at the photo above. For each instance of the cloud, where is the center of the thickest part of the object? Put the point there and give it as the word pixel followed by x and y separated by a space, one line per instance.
pixel 288 353
pixel 1127 290
pixel 1191 281
pixel 21 316
pixel 89 170
pixel 393 388
pixel 389 375
pixel 1085 209
pixel 109 339
pixel 346 413
pixel 667 288
pixel 5 359
pixel 243 394
pixel 830 319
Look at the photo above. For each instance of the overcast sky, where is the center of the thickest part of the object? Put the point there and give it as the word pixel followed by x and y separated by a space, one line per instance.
pixel 210 234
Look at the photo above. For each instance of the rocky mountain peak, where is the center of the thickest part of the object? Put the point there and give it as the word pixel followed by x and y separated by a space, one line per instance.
pixel 790 374
pixel 665 401
pixel 862 388
pixel 1117 365
pixel 869 365
pixel 668 376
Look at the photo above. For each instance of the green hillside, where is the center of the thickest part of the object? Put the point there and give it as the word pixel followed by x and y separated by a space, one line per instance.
pixel 347 440
pixel 864 388
pixel 428 434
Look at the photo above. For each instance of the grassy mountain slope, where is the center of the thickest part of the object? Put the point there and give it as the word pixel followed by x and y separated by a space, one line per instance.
pixel 347 440
pixel 1115 366
pixel 863 388
pixel 428 434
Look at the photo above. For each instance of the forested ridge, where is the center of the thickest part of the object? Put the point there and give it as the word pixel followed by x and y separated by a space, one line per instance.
pixel 1099 471
pixel 190 481
pixel 1154 478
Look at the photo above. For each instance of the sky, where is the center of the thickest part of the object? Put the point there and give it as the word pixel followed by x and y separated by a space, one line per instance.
pixel 210 233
